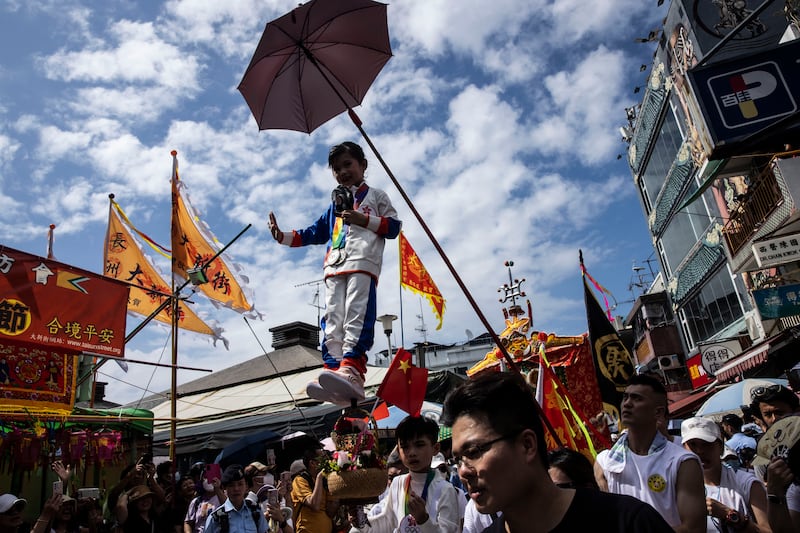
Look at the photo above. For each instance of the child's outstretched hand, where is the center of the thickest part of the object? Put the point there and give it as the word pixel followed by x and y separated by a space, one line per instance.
pixel 277 234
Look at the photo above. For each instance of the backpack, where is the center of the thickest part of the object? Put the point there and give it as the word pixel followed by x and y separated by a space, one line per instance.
pixel 220 516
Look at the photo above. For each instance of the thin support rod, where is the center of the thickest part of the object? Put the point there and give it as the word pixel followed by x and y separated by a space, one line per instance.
pixel 275 368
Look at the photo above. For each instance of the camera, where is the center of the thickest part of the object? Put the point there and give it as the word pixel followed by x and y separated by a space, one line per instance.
pixel 342 199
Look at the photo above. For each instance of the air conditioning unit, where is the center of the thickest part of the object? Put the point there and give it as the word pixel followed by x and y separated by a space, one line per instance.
pixel 669 362
pixel 754 327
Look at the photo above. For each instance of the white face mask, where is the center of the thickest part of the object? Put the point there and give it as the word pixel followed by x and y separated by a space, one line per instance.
pixel 208 487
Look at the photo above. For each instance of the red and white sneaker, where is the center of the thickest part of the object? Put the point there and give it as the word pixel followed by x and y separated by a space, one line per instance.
pixel 315 391
pixel 346 383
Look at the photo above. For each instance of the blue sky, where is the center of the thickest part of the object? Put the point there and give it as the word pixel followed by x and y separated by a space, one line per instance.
pixel 500 119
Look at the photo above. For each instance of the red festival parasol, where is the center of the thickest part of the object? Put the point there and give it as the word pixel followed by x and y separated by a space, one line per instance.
pixel 317 61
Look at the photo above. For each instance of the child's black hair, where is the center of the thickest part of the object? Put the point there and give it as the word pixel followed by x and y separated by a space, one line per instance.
pixel 412 427
pixel 346 147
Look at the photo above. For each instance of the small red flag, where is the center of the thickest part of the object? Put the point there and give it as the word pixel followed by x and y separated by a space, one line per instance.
pixel 381 411
pixel 404 384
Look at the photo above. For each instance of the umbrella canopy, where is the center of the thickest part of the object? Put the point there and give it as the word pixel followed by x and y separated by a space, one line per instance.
pixel 731 398
pixel 246 449
pixel 315 62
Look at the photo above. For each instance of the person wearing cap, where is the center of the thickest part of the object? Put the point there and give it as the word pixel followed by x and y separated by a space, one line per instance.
pixel 135 511
pixel 735 499
pixel 779 451
pixel 11 509
pixel 236 515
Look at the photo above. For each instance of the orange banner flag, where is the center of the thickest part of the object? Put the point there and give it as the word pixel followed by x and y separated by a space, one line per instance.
pixel 414 277
pixel 125 261
pixel 193 244
pixel 559 411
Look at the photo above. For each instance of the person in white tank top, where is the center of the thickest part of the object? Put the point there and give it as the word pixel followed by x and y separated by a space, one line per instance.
pixel 644 464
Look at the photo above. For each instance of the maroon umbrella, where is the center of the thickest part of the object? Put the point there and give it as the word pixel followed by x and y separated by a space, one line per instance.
pixel 315 62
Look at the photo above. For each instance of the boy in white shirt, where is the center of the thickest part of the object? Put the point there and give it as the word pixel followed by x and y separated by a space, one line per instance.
pixel 420 499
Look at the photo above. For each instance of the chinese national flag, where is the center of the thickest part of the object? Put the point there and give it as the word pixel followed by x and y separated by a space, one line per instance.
pixel 414 277
pixel 404 384
pixel 192 247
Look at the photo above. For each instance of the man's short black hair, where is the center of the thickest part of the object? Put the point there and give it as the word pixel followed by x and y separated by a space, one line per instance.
pixel 506 401
pixel 734 421
pixel 412 427
pixel 648 381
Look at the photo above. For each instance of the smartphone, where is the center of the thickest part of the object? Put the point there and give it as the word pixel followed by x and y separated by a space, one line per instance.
pixel 286 479
pixel 58 487
pixel 212 471
pixel 272 496
pixel 92 492
pixel 146 459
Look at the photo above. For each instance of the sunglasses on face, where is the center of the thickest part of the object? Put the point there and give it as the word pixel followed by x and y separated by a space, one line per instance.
pixel 763 391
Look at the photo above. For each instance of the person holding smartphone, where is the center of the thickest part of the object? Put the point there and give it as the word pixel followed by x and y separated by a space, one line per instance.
pixel 210 496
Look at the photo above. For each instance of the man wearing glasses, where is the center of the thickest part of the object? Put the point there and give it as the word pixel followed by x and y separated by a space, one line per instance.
pixel 770 404
pixel 499 443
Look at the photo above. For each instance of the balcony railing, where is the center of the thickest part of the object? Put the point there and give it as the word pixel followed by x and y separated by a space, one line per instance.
pixel 763 197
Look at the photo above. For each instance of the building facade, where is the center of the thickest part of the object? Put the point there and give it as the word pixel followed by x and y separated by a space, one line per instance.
pixel 711 154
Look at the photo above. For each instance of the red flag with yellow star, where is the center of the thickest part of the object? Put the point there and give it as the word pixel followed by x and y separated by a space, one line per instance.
pixel 404 384
pixel 414 277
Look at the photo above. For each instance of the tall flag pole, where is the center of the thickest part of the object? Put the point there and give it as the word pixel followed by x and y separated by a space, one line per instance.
pixel 195 252
pixel 50 238
pixel 416 278
pixel 613 363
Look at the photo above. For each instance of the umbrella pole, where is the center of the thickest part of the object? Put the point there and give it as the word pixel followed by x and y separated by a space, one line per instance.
pixel 510 362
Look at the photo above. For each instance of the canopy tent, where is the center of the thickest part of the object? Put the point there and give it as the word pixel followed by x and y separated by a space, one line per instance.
pixel 221 433
pixel 260 397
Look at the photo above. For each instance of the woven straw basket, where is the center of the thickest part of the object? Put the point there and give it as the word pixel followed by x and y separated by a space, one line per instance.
pixel 358 484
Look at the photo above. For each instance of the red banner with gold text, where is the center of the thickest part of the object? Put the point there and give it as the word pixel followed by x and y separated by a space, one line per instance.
pixel 47 303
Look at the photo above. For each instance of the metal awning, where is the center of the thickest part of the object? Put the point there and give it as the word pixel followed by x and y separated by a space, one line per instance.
pixel 688 404
pixel 750 359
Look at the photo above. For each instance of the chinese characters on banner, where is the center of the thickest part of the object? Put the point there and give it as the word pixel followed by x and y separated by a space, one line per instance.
pixel 50 304
pixel 191 249
pixel 125 261
pixel 613 362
